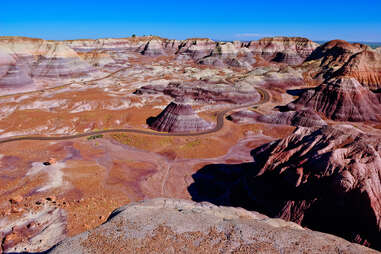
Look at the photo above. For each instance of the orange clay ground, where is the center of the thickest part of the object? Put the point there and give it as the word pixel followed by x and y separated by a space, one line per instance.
pixel 93 177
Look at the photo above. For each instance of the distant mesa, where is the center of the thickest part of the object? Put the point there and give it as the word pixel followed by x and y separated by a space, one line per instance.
pixel 342 99
pixel 21 59
pixel 13 73
pixel 179 117
pixel 288 50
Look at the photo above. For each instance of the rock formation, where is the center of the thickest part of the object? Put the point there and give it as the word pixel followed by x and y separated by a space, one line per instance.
pixel 342 99
pixel 272 76
pixel 35 232
pixel 306 118
pixel 40 58
pixel 179 226
pixel 289 50
pixel 153 48
pixel 205 51
pixel 365 66
pixel 179 117
pixel 13 72
pixel 327 179
pixel 195 49
pixel 340 58
pixel 330 180
pixel 205 92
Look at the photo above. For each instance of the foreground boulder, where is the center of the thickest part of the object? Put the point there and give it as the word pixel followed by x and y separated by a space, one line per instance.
pixel 179 226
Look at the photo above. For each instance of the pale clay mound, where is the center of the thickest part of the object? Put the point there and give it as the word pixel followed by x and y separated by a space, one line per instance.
pixel 179 226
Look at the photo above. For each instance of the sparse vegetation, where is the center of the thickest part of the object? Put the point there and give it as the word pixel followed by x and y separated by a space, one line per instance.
pixel 93 137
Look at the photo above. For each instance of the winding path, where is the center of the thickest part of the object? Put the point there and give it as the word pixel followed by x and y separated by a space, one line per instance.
pixel 265 97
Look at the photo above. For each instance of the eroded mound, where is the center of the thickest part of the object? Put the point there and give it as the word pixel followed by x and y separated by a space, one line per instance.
pixel 330 181
pixel 340 58
pixel 342 99
pixel 306 118
pixel 327 179
pixel 205 92
pixel 179 226
pixel 41 58
pixel 289 50
pixel 179 117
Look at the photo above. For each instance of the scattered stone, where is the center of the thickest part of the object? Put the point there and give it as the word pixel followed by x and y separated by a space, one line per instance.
pixel 16 199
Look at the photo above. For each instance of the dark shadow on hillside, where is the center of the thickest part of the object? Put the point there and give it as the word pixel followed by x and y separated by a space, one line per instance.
pixel 150 120
pixel 297 92
pixel 213 183
pixel 316 204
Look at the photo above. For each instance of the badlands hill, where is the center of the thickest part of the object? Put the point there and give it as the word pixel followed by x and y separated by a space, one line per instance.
pixel 40 58
pixel 326 179
pixel 340 58
pixel 304 117
pixel 179 117
pixel 307 150
pixel 342 99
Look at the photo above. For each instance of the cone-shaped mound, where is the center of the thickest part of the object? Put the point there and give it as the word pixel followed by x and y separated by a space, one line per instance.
pixel 343 99
pixel 179 117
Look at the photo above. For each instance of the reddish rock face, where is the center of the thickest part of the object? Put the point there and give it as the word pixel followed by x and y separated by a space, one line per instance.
pixel 328 179
pixel 179 117
pixel 365 66
pixel 289 50
pixel 340 58
pixel 343 99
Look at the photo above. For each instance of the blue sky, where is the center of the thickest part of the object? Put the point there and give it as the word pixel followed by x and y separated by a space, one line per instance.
pixel 220 20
